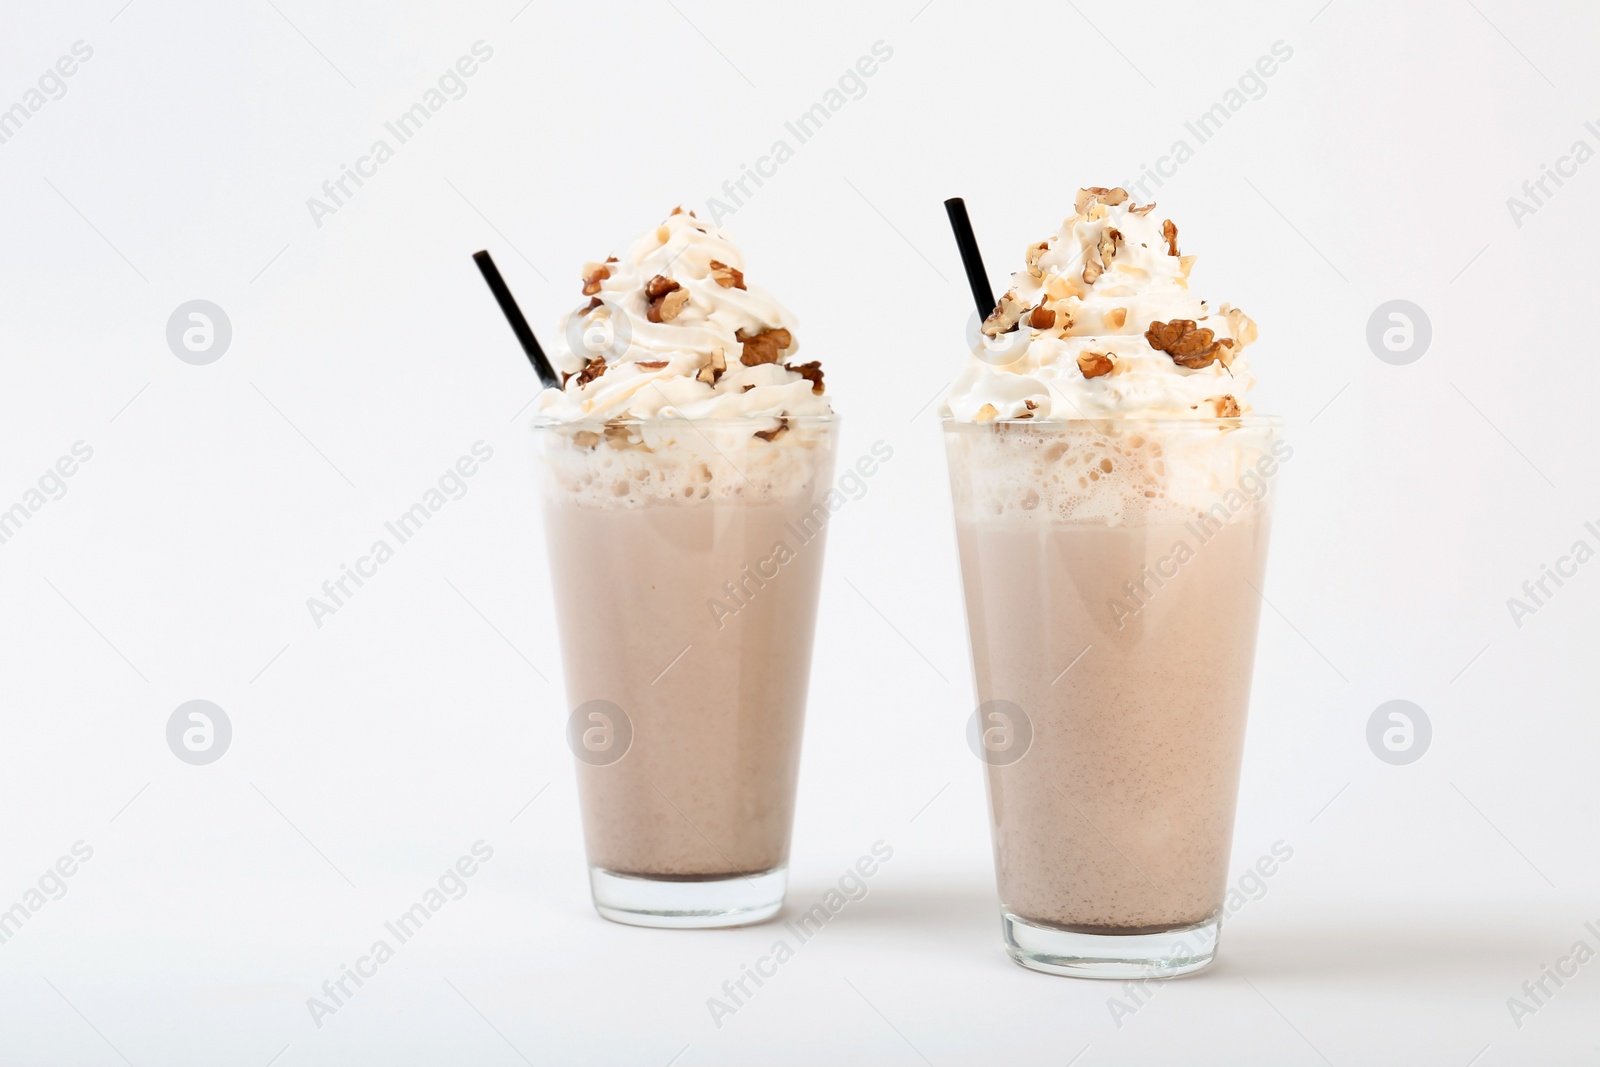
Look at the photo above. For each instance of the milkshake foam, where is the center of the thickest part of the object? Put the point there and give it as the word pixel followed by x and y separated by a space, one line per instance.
pixel 672 329
pixel 1101 324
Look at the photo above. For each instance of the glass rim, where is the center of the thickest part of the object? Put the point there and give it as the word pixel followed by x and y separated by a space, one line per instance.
pixel 545 422
pixel 1244 422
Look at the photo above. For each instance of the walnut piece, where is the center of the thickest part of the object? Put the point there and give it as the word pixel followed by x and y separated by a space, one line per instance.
pixel 1188 344
pixel 650 364
pixel 1035 252
pixel 811 372
pixel 1094 364
pixel 1145 210
pixel 1109 197
pixel 1005 316
pixel 1099 258
pixel 764 347
pixel 1240 325
pixel 1227 407
pixel 726 276
pixel 656 290
pixel 1041 318
pixel 985 413
pixel 671 305
pixel 593 275
pixel 591 370
pixel 1116 318
pixel 1169 230
pixel 713 370
pixel 767 435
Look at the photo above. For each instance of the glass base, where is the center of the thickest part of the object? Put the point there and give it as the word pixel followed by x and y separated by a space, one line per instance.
pixel 1164 954
pixel 683 903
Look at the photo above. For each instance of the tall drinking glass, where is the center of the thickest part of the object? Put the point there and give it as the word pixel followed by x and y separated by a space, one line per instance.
pixel 686 558
pixel 1112 572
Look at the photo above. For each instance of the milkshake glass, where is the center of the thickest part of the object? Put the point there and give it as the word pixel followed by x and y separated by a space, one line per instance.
pixel 686 459
pixel 1113 498
pixel 1112 650
pixel 686 557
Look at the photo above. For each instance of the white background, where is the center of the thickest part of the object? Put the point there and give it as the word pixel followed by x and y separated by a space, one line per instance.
pixel 370 753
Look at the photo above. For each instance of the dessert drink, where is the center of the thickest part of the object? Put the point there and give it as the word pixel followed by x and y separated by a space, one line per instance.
pixel 686 469
pixel 1112 499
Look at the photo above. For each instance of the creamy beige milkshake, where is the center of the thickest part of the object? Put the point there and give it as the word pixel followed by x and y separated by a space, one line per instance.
pixel 693 614
pixel 1112 502
pixel 1122 819
pixel 686 480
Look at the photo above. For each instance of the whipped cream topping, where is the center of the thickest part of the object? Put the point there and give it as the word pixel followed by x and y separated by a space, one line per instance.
pixel 1101 324
pixel 671 329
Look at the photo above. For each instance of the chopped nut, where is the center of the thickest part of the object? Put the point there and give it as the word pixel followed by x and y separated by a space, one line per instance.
pixel 1240 325
pixel 811 372
pixel 1109 197
pixel 764 347
pixel 656 290
pixel 670 305
pixel 726 276
pixel 1099 259
pixel 1041 318
pixel 987 412
pixel 1035 252
pixel 767 435
pixel 1116 318
pixel 713 370
pixel 593 275
pixel 1145 210
pixel 591 370
pixel 1189 345
pixel 1030 405
pixel 1227 407
pixel 1108 243
pixel 1005 316
pixel 1094 364
pixel 1169 230
pixel 594 302
pixel 678 210
pixel 650 364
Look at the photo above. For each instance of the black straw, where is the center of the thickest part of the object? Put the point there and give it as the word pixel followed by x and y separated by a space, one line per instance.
pixel 971 258
pixel 519 324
